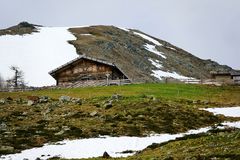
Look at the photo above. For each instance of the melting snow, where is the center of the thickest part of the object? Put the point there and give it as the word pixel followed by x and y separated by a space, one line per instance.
pixel 170 48
pixel 87 34
pixel 148 38
pixel 155 63
pixel 149 47
pixel 153 49
pixel 125 29
pixel 227 111
pixel 160 74
pixel 37 54
pixel 95 147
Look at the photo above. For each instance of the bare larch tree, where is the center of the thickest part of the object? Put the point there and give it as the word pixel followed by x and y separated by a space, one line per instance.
pixel 18 79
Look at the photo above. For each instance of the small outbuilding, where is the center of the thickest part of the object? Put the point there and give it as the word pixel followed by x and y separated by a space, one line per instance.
pixel 87 71
pixel 236 77
pixel 226 77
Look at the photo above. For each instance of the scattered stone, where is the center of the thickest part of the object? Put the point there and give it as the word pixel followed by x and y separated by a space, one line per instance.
pixel 9 99
pixel 2 101
pixel 64 129
pixel 3 126
pixel 94 113
pixel 116 97
pixel 44 99
pixel 106 155
pixel 141 116
pixel 76 101
pixel 6 149
pixel 59 133
pixel 30 103
pixel 196 101
pixel 65 99
pixel 152 97
pixel 129 117
pixel 24 114
pixel 108 105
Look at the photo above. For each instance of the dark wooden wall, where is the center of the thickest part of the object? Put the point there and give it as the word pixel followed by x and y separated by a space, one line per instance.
pixel 84 70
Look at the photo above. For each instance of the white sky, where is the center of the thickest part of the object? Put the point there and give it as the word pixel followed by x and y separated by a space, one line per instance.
pixel 207 29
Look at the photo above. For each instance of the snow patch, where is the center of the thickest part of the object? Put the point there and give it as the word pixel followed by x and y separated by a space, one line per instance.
pixel 170 48
pixel 86 34
pixel 161 74
pixel 152 48
pixel 156 63
pixel 232 124
pixel 226 111
pixel 95 147
pixel 37 54
pixel 125 29
pixel 148 38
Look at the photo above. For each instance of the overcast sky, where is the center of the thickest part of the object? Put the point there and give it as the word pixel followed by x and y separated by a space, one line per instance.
pixel 209 29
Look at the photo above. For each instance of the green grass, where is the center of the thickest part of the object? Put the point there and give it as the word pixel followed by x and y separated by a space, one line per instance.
pixel 221 145
pixel 225 94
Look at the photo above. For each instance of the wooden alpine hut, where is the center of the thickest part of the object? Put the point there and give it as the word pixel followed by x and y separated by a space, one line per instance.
pixel 87 71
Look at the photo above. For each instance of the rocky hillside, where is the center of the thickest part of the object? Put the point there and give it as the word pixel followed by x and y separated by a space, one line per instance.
pixel 141 56
pixel 20 29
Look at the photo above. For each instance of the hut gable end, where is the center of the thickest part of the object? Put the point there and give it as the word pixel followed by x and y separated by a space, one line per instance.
pixel 84 70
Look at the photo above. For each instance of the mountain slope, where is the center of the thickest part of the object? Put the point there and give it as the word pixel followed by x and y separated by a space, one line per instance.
pixel 142 57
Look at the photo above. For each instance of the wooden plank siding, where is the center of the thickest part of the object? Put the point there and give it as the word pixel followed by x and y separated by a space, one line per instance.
pixel 86 70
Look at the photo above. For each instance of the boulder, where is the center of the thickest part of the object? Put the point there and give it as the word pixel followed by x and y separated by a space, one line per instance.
pixel 106 155
pixel 2 101
pixel 3 126
pixel 108 104
pixel 63 130
pixel 116 97
pixel 9 99
pixel 44 99
pixel 59 133
pixel 64 99
pixel 76 101
pixel 30 103
pixel 94 113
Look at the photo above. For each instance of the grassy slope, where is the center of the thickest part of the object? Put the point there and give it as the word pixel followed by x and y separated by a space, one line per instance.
pixel 227 95
pixel 221 145
pixel 162 108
